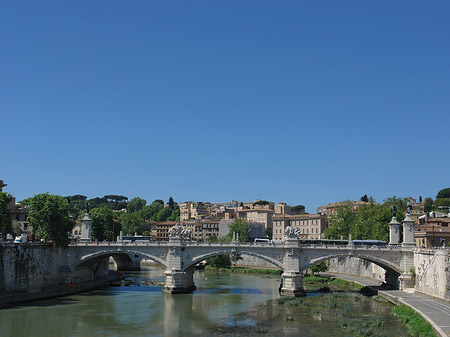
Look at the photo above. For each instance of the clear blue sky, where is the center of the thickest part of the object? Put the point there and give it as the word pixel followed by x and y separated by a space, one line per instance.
pixel 308 102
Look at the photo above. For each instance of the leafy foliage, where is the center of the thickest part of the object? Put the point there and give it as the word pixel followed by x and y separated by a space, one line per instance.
pixel 242 228
pixel 320 267
pixel 369 221
pixel 298 209
pixel 135 205
pixel 444 193
pixel 220 261
pixel 132 223
pixel 5 217
pixel 103 224
pixel 49 218
pixel 171 203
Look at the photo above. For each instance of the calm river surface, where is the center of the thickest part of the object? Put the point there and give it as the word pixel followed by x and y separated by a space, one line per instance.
pixel 223 305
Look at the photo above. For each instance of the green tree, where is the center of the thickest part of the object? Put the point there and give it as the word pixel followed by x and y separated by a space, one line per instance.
pixel 343 222
pixel 428 205
pixel 442 204
pixel 16 231
pixel 320 267
pixel 5 216
pixel 163 214
pixel 135 205
pixel 151 210
pixel 269 232
pixel 171 203
pixel 116 202
pixel 77 204
pixel 242 228
pixel 300 209
pixel 220 261
pixel 103 224
pixel 175 216
pixel 132 223
pixel 49 218
pixel 444 193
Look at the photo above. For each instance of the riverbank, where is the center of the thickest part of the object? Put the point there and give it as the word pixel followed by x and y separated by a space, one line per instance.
pixel 418 324
pixel 13 298
pixel 434 313
pixel 243 270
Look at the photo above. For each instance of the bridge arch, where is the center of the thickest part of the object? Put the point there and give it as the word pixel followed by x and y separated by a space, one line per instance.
pixel 387 265
pixel 122 259
pixel 202 257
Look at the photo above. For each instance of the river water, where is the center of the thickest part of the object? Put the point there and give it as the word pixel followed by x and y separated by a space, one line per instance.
pixel 224 304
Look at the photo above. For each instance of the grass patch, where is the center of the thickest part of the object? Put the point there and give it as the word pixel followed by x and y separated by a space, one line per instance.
pixel 416 324
pixel 245 270
pixel 316 279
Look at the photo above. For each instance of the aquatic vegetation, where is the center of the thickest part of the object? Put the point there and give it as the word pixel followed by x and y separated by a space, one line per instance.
pixel 260 329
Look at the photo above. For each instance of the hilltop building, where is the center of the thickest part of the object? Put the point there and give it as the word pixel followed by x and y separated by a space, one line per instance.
pixel 311 226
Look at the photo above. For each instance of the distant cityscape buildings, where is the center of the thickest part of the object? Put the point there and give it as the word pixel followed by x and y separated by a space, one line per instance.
pixel 265 218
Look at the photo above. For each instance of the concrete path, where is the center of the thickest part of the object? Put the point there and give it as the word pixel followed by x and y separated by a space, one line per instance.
pixel 433 309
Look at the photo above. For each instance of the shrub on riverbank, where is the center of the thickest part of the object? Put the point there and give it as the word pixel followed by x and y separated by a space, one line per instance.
pixel 245 270
pixel 337 283
pixel 417 325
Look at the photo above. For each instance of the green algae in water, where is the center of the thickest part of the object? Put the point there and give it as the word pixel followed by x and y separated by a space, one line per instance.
pixel 334 314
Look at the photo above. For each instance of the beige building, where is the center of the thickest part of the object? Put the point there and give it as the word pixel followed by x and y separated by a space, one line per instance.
pixel 331 209
pixel 193 210
pixel 418 210
pixel 258 216
pixel 311 226
pixel 433 230
pixel 283 208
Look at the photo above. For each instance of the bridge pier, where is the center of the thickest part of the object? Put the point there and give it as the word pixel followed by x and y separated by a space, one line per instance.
pixel 292 284
pixel 179 282
pixel 406 280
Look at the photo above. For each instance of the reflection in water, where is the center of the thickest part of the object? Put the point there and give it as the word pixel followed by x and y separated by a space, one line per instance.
pixel 221 304
pixel 139 310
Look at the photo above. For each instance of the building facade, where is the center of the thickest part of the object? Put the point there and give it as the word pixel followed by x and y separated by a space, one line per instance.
pixel 311 226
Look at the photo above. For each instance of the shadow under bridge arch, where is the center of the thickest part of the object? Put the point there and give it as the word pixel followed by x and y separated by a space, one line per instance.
pixel 277 263
pixel 393 271
pixel 129 260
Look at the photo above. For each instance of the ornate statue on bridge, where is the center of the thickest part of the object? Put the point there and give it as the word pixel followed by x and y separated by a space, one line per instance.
pixel 181 232
pixel 291 233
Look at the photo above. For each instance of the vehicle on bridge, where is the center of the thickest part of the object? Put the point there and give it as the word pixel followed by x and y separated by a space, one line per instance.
pixel 259 240
pixel 369 243
pixel 342 242
pixel 135 239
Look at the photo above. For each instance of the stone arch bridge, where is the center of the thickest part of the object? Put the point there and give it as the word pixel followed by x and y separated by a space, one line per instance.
pixel 178 257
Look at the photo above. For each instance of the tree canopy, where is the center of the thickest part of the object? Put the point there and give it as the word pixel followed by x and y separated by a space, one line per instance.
pixel 242 228
pixel 444 193
pixel 135 205
pixel 5 217
pixel 103 224
pixel 369 221
pixel 132 223
pixel 49 218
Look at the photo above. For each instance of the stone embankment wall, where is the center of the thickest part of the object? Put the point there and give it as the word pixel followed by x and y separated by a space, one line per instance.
pixel 432 272
pixel 30 267
pixel 355 266
pixel 24 267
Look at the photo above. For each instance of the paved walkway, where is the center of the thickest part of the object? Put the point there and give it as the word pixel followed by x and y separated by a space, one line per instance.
pixel 433 309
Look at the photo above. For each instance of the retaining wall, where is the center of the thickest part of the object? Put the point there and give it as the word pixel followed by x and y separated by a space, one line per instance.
pixel 432 272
